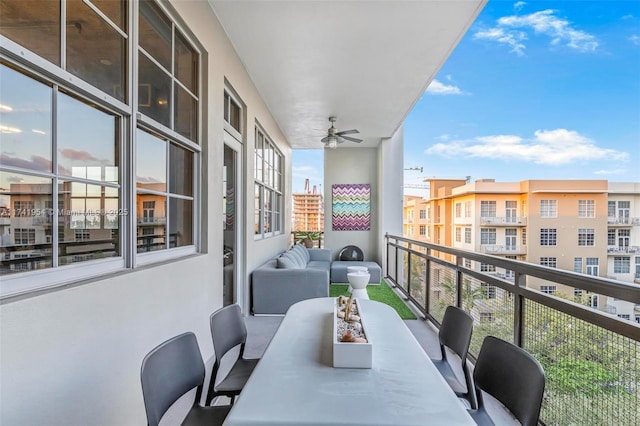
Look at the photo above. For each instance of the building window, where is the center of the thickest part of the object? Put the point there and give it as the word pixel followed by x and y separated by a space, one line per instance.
pixel 551 262
pixel 524 236
pixel 586 237
pixel 487 267
pixel 467 209
pixel 487 209
pixel 624 237
pixel 548 208
pixel 232 112
pixel 621 264
pixel 577 265
pixel 458 235
pixel 624 316
pixel 577 293
pixel 488 236
pixel 467 263
pixel 586 208
pixel 548 289
pixel 268 186
pixel 23 236
pixel 423 230
pixel 22 208
pixel 611 237
pixel 486 317
pixel 611 209
pixel 467 235
pixel 80 134
pixel 458 209
pixel 488 290
pixel 423 214
pixel 592 266
pixel 548 237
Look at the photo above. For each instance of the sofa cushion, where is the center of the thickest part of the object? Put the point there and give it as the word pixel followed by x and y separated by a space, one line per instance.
pixel 298 248
pixel 302 263
pixel 286 261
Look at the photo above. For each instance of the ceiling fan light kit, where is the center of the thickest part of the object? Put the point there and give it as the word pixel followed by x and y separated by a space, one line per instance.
pixel 334 137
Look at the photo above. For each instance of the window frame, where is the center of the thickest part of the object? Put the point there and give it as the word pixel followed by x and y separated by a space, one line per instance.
pixel 548 208
pixel 586 208
pixel 548 237
pixel 277 191
pixel 586 237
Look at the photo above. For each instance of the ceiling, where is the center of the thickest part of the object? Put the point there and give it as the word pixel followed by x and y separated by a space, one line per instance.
pixel 365 62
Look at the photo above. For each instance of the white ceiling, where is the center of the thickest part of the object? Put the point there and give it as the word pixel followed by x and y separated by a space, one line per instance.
pixel 365 62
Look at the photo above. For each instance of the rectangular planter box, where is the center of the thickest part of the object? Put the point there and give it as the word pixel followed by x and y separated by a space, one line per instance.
pixel 351 355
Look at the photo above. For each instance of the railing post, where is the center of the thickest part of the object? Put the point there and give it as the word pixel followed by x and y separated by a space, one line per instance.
pixel 386 238
pixel 459 282
pixel 427 282
pixel 408 270
pixel 396 266
pixel 518 309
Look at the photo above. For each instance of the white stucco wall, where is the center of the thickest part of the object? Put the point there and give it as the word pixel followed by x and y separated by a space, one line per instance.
pixel 72 356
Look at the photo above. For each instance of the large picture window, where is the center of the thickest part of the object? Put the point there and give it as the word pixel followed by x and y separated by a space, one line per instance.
pixel 548 208
pixel 268 172
pixel 65 142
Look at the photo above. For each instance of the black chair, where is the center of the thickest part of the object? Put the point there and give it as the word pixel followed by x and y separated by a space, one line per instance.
pixel 351 253
pixel 455 334
pixel 169 371
pixel 228 331
pixel 512 376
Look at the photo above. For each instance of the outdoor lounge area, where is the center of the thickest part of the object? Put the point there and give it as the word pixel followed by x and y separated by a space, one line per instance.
pixel 146 171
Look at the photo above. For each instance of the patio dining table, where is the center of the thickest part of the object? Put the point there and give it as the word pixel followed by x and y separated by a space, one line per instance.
pixel 295 383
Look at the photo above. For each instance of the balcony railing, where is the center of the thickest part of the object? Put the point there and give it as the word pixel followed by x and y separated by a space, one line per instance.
pixel 504 221
pixel 591 358
pixel 623 250
pixel 502 249
pixel 623 221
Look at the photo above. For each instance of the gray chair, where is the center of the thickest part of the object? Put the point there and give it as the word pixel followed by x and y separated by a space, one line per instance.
pixel 455 334
pixel 228 331
pixel 512 376
pixel 169 371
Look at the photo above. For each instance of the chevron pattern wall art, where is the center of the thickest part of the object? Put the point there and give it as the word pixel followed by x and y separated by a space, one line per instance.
pixel 351 207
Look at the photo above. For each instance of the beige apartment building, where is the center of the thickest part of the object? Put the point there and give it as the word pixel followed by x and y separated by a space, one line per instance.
pixel 586 226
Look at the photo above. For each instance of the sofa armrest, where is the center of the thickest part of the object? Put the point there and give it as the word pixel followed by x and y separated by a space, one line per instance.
pixel 323 255
pixel 274 290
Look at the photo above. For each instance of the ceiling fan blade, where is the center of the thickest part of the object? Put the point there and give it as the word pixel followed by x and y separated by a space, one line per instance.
pixel 347 132
pixel 351 139
pixel 325 139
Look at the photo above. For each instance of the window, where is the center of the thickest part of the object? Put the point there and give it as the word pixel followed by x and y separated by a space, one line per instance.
pixel 586 208
pixel 592 266
pixel 232 112
pixel 551 262
pixel 467 263
pixel 487 209
pixel 621 264
pixel 467 235
pixel 467 209
pixel 524 236
pixel 488 236
pixel 548 237
pixel 487 267
pixel 488 290
pixel 458 235
pixel 624 236
pixel 611 237
pixel 577 293
pixel 423 230
pixel 586 237
pixel 268 186
pixel 24 236
pixel 486 317
pixel 624 316
pixel 548 289
pixel 423 214
pixel 611 209
pixel 577 265
pixel 593 301
pixel 76 152
pixel 458 209
pixel 548 208
pixel 23 208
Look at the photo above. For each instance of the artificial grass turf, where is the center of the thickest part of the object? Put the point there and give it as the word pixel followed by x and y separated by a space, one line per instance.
pixel 380 293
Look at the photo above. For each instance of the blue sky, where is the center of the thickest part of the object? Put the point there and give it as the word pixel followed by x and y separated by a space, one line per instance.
pixel 535 90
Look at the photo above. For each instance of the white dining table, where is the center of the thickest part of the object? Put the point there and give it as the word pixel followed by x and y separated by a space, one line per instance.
pixel 295 383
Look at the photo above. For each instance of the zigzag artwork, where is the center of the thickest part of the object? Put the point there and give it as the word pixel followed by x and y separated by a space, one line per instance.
pixel 351 207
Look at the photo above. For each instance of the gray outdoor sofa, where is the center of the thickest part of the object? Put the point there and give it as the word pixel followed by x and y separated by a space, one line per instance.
pixel 295 275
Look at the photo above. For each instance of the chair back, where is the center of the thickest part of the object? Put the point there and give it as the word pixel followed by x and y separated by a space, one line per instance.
pixel 455 332
pixel 169 371
pixel 512 376
pixel 227 329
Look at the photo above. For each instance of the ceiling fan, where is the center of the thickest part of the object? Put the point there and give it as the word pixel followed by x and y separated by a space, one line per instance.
pixel 334 137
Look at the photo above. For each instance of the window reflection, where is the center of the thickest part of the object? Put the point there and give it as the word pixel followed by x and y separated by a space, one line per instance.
pixel 155 33
pixel 181 171
pixel 88 218
pixel 154 94
pixel 186 113
pixel 25 121
pixel 115 10
pixel 34 24
pixel 25 223
pixel 181 223
pixel 95 50
pixel 151 162
pixel 87 144
pixel 186 63
pixel 151 213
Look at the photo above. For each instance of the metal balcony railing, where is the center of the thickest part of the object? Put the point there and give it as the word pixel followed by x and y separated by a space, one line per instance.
pixel 591 358
pixel 623 250
pixel 502 249
pixel 504 221
pixel 623 221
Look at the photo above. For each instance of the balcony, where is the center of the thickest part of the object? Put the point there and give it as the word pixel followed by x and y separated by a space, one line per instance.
pixel 614 250
pixel 623 221
pixel 142 221
pixel 503 221
pixel 502 249
pixel 591 357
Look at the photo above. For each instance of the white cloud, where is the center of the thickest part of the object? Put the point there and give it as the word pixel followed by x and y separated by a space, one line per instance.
pixel 548 147
pixel 438 88
pixel 609 172
pixel 512 31
pixel 635 39
pixel 519 5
